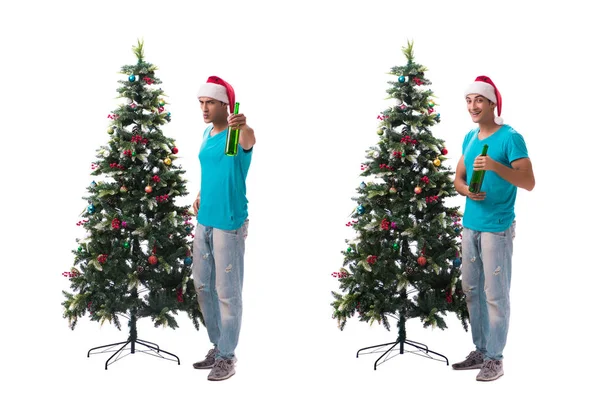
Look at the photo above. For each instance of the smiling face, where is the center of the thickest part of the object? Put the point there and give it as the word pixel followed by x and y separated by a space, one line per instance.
pixel 480 108
pixel 213 111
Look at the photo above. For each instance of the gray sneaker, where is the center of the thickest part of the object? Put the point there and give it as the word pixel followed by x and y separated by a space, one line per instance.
pixel 473 361
pixel 209 360
pixel 491 370
pixel 223 369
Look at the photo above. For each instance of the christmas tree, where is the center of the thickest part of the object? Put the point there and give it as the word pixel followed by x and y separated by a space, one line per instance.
pixel 404 261
pixel 135 258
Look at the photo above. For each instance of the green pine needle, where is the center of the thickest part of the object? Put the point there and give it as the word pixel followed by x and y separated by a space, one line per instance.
pixel 139 50
pixel 408 51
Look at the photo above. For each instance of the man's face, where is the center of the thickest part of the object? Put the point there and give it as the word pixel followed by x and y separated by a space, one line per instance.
pixel 212 110
pixel 480 108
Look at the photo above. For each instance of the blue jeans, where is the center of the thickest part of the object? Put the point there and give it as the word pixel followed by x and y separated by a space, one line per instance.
pixel 218 272
pixel 486 272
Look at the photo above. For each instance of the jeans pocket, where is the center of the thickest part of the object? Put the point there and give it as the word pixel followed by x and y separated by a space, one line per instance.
pixel 231 232
pixel 242 230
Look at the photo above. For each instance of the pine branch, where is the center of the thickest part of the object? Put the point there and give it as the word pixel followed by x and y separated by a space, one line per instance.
pixel 408 51
pixel 139 50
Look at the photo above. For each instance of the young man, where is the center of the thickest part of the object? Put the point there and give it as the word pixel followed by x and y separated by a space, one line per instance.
pixel 222 226
pixel 489 224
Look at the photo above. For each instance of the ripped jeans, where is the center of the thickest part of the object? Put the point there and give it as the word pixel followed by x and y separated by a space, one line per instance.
pixel 218 273
pixel 486 272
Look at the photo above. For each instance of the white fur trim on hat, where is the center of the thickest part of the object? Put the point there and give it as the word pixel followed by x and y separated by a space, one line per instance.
pixel 499 120
pixel 213 90
pixel 484 89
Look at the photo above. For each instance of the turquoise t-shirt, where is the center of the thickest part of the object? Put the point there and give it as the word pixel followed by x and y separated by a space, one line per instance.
pixel 223 203
pixel 497 211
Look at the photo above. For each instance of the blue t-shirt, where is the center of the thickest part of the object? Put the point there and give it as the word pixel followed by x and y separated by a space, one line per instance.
pixel 497 211
pixel 223 203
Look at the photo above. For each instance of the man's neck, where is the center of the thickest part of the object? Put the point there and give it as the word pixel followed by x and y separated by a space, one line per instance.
pixel 487 129
pixel 218 127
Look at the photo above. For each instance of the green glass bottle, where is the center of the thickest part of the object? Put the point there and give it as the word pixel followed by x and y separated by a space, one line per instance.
pixel 477 177
pixel 233 136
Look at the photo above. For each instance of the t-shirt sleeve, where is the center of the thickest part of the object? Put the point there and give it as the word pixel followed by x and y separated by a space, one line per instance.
pixel 516 148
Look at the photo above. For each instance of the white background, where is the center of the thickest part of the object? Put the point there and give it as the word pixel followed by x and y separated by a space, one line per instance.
pixel 311 78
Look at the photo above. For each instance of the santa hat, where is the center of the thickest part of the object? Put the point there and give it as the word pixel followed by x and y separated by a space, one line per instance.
pixel 218 89
pixel 484 86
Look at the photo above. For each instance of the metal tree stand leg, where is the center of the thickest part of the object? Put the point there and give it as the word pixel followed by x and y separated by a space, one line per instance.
pixel 422 349
pixel 151 348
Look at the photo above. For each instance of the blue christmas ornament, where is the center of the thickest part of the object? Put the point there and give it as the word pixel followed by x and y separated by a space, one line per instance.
pixel 401 79
pixel 93 184
pixel 168 114
pixel 363 185
pixel 457 229
pixel 360 209
pixel 188 261
pixel 188 228
pixel 456 262
pixel 91 209
pixel 132 78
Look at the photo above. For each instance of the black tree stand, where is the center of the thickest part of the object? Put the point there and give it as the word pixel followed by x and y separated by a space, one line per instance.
pixel 150 348
pixel 421 349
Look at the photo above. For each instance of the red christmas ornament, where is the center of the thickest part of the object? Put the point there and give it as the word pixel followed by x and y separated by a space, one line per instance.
pixel 418 81
pixel 162 198
pixel 418 190
pixel 152 259
pixel 148 189
pixel 175 150
pixel 385 224
pixel 116 224
pixel 444 151
pixel 422 261
pixel 371 259
pixel 102 258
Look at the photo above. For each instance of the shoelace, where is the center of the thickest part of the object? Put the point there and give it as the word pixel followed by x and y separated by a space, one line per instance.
pixel 489 364
pixel 221 363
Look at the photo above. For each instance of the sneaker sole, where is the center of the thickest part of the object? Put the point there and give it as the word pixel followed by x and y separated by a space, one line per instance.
pixel 203 367
pixel 223 378
pixel 489 379
pixel 468 368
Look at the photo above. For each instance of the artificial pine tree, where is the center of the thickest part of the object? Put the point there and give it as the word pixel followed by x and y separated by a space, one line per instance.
pixel 404 261
pixel 135 259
